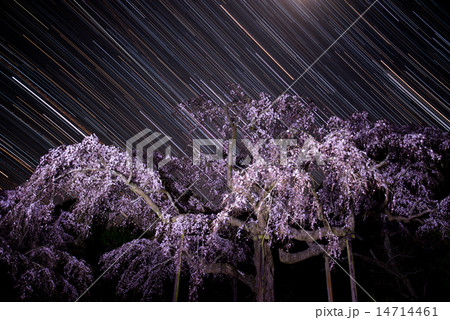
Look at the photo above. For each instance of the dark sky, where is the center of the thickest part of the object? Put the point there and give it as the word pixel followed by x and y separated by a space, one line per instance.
pixel 70 69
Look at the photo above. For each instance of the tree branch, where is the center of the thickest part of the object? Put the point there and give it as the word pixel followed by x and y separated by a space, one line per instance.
pixel 406 219
pixel 225 268
pixel 310 236
pixel 133 187
pixel 169 197
pixel 242 224
pixel 382 163
pixel 314 249
pixel 291 258
pixel 141 193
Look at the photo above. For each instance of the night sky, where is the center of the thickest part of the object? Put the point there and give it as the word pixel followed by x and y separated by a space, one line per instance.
pixel 73 68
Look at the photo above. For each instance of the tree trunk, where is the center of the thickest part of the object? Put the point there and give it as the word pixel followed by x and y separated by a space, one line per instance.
pixel 351 269
pixel 176 286
pixel 234 284
pixel 264 271
pixel 328 278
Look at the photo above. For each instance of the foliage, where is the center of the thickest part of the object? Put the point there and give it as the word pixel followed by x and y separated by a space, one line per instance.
pixel 221 217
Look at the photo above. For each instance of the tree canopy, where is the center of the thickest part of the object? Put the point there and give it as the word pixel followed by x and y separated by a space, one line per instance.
pixel 288 188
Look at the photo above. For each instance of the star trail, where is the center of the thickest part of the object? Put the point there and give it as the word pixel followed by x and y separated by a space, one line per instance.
pixel 72 68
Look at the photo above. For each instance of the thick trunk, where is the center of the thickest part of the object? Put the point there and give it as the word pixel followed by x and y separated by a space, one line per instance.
pixel 264 271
